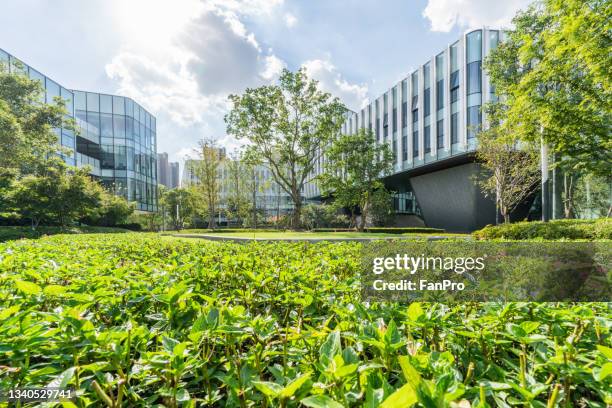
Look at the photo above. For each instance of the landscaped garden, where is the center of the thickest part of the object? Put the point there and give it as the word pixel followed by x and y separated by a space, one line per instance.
pixel 137 319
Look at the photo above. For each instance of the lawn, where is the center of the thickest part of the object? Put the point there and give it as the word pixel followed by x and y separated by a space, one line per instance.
pixel 138 320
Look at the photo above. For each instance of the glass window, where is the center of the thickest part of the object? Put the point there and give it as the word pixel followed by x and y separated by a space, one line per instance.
pixel 474 118
pixel 455 128
pixel 454 80
pixel 93 126
pixel 119 126
pixel 474 46
pixel 93 102
pixel 120 158
pixel 454 56
pixel 106 125
pixel 427 102
pixel 440 134
pixel 426 76
pixel 440 94
pixel 53 90
pixel 67 96
pixel 79 100
pixel 394 117
pixel 4 60
pixel 439 66
pixel 427 139
pixel 415 144
pixel 415 116
pixel 118 105
pixel 474 78
pixel 405 147
pixel 37 76
pixel 108 158
pixel 129 107
pixel 106 104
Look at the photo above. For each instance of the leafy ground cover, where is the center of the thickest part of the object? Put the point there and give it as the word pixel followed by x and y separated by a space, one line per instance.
pixel 139 320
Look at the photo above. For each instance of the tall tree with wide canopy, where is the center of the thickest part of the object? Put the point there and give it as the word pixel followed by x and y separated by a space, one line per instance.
pixel 287 126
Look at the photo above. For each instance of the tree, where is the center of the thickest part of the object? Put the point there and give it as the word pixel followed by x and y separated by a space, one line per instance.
pixel 58 194
pixel 553 74
pixel 207 171
pixel 287 124
pixel 511 168
pixel 353 169
pixel 27 124
pixel 237 200
pixel 113 210
pixel 180 204
pixel 382 211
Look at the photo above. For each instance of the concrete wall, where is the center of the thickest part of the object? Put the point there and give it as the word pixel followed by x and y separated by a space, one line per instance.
pixel 449 199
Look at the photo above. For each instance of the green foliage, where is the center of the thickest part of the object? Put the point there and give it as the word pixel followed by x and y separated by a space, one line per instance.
pixel 56 195
pixel 381 208
pixel 286 125
pixel 112 211
pixel 26 123
pixel 557 229
pixel 179 205
pixel 553 75
pixel 139 320
pixel 353 167
pixel 315 216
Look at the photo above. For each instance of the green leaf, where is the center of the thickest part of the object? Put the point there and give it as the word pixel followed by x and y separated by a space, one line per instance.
pixel 8 312
pixel 320 401
pixel 29 288
pixel 268 388
pixel 410 373
pixel 606 351
pixel 294 385
pixel 529 327
pixel 402 398
pixel 415 312
pixel 330 348
pixel 182 395
pixel 62 380
pixel 54 290
pixel 604 372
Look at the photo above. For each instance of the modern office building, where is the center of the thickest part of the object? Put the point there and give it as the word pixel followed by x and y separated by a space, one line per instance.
pixel 167 172
pixel 117 137
pixel 430 120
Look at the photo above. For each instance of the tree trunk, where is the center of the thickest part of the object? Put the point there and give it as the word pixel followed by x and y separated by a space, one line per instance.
pixel 364 215
pixel 297 213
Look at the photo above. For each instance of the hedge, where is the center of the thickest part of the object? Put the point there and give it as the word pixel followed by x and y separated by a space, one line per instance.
pixel 556 229
pixel 386 230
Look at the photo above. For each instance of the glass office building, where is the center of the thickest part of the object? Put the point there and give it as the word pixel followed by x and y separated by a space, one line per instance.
pixel 117 137
pixel 440 112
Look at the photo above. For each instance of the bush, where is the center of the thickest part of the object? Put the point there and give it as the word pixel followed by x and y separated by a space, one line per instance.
pixel 20 232
pixel 557 229
pixel 113 211
pixel 386 230
pixel 323 216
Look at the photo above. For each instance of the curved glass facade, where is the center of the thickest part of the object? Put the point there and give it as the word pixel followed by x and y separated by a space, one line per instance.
pixel 117 137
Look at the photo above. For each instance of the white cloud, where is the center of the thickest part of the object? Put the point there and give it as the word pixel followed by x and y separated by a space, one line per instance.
pixel 185 79
pixel 444 15
pixel 354 96
pixel 290 20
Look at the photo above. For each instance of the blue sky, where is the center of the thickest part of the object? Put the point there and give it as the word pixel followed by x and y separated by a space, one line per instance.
pixel 181 58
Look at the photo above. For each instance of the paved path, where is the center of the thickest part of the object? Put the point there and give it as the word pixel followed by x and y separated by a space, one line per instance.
pixel 339 239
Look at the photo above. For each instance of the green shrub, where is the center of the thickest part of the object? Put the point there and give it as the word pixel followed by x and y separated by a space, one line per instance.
pixel 386 230
pixel 556 229
pixel 13 233
pixel 172 323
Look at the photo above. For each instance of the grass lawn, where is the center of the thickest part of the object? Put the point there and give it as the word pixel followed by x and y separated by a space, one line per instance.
pixel 306 235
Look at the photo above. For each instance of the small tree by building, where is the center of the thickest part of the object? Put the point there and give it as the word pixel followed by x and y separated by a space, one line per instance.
pixel 207 172
pixel 353 169
pixel 511 168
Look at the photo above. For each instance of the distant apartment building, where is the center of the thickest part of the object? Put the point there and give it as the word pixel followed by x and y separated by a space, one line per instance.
pixel 117 137
pixel 271 200
pixel 167 172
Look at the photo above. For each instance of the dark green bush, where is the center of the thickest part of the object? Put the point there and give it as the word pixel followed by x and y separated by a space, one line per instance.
pixel 13 233
pixel 557 229
pixel 386 230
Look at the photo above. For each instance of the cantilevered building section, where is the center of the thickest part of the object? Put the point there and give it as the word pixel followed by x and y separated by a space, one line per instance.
pixel 117 137
pixel 430 120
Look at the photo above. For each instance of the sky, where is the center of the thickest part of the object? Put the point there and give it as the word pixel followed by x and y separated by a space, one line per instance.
pixel 180 59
